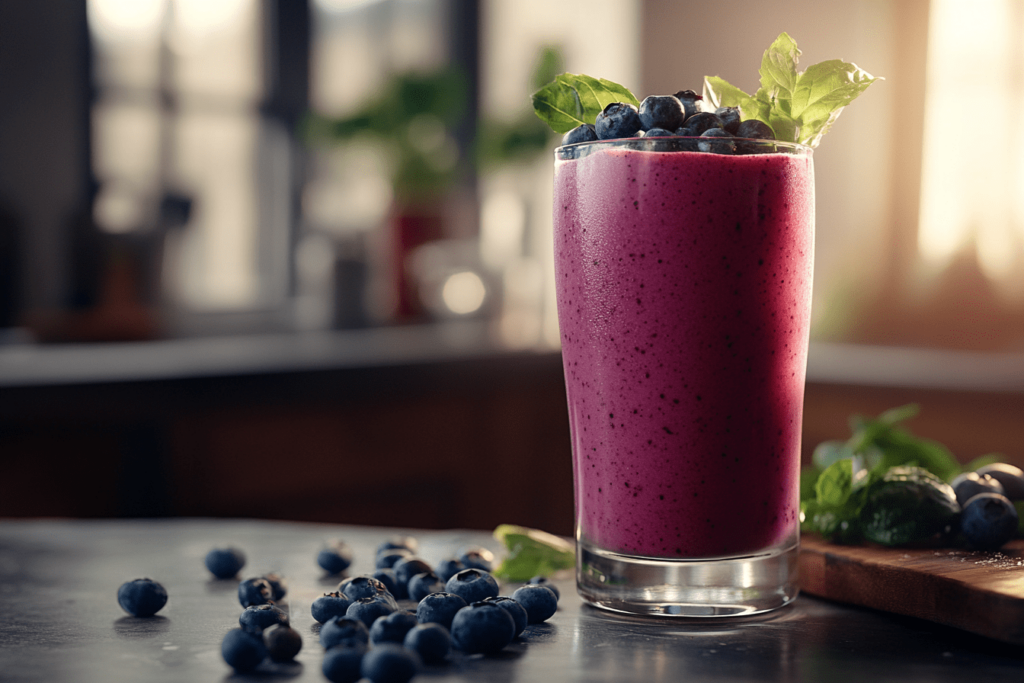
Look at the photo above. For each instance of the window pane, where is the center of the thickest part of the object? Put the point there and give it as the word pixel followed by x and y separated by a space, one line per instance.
pixel 216 45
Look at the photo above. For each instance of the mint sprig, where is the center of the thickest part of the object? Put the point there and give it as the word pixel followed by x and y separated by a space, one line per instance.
pixel 800 106
pixel 532 553
pixel 574 99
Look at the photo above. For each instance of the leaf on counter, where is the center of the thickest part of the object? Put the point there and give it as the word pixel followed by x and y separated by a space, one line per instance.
pixel 532 552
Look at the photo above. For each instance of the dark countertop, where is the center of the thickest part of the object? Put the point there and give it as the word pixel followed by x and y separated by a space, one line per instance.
pixel 61 620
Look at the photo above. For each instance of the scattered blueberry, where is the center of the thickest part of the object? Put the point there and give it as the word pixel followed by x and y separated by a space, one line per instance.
pixel 254 592
pixel 282 642
pixel 478 558
pixel 988 521
pixel 545 581
pixel 141 597
pixel 584 133
pixel 243 651
pixel 367 610
pixel 446 569
pixel 387 577
pixel 716 141
pixel 259 617
pixel 407 542
pixel 730 118
pixel 335 557
pixel 330 605
pixel 700 122
pixel 343 664
pixel 278 585
pixel 1011 477
pixel 225 563
pixel 364 586
pixel 482 627
pixel 387 558
pixel 409 567
pixel 690 101
pixel 390 663
pixel 439 608
pixel 538 601
pixel 393 627
pixel 432 642
pixel 514 609
pixel 661 111
pixel 422 585
pixel 472 585
pixel 344 631
pixel 617 120
pixel 970 484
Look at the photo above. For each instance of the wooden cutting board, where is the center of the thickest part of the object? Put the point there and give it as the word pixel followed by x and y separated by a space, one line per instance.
pixel 980 592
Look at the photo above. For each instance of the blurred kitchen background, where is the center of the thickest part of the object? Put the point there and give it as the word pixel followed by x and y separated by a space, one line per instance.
pixel 292 258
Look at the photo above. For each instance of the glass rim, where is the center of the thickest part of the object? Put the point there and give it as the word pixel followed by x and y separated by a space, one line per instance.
pixel 679 143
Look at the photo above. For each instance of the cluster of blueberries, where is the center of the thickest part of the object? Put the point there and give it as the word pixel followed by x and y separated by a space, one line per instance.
pixel 679 115
pixel 988 518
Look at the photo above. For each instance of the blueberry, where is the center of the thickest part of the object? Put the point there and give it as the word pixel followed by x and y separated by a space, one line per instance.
pixel 409 567
pixel 661 111
pixel 254 592
pixel 448 568
pixel 658 133
pixel 141 597
pixel 752 129
pixel 387 558
pixel 477 558
pixel 716 141
pixel 330 605
pixel 243 651
pixel 514 609
pixel 1012 478
pixel 583 133
pixel 700 122
pixel 472 585
pixel 367 610
pixel 432 642
pixel 617 120
pixel 482 627
pixel 364 586
pixel 387 577
pixel 422 585
pixel 730 118
pixel 343 664
pixel 282 642
pixel 259 617
pixel 278 585
pixel 538 601
pixel 690 101
pixel 335 557
pixel 988 521
pixel 970 484
pixel 548 583
pixel 407 542
pixel 390 663
pixel 225 563
pixel 393 627
pixel 439 608
pixel 344 631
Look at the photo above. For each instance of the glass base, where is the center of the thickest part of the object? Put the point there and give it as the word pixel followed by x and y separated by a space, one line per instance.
pixel 687 588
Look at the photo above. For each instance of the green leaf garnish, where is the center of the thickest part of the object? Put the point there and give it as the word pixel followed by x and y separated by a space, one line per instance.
pixel 532 553
pixel 572 100
pixel 800 106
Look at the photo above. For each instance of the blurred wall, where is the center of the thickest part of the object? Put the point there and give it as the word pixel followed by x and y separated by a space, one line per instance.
pixel 44 137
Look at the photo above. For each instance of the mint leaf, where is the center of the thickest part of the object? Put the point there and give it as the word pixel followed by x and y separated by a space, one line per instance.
pixel 720 93
pixel 821 94
pixel 532 553
pixel 572 100
pixel 778 71
pixel 835 484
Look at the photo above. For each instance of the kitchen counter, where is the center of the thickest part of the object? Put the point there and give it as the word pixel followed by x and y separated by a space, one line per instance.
pixel 61 620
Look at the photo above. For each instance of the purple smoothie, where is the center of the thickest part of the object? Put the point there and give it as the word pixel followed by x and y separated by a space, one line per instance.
pixel 684 294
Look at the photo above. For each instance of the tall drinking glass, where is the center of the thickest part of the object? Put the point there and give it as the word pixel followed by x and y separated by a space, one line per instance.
pixel 684 296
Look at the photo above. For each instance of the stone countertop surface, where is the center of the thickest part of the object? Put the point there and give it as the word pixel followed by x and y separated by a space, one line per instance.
pixel 61 621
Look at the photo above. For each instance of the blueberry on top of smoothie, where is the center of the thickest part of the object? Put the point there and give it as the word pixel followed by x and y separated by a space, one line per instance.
pixel 661 111
pixel 617 120
pixel 698 123
pixel 583 133
pixel 730 118
pixel 690 101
